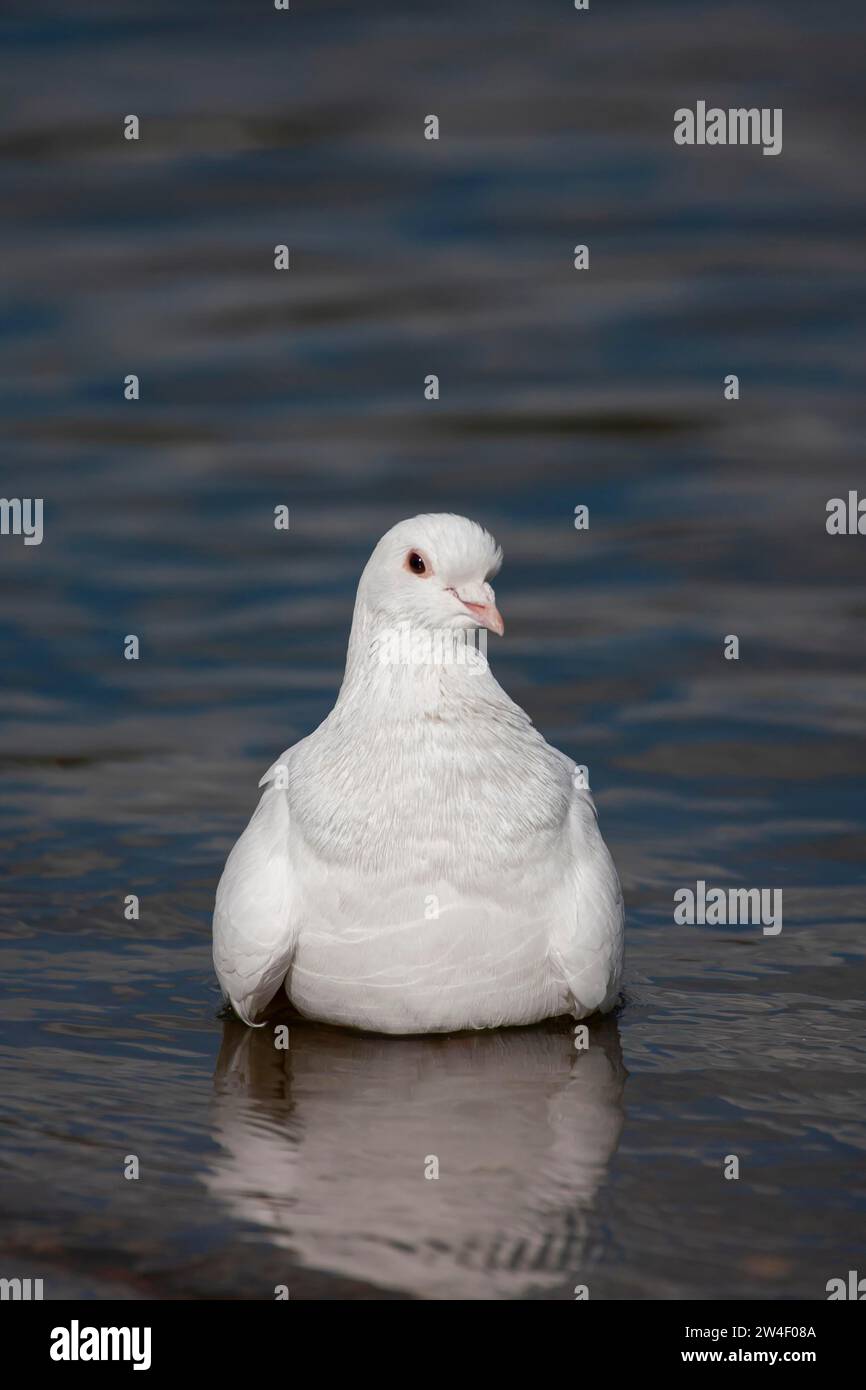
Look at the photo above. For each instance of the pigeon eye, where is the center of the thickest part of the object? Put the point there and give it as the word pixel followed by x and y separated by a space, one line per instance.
pixel 416 563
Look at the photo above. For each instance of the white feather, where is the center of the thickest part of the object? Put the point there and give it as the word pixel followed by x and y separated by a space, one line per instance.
pixel 253 926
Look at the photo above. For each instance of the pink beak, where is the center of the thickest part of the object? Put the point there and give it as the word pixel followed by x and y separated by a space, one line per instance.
pixel 488 615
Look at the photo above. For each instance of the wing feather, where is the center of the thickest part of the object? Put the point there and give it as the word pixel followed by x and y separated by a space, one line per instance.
pixel 587 945
pixel 253 937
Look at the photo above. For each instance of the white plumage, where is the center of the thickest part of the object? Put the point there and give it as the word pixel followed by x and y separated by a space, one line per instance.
pixel 424 861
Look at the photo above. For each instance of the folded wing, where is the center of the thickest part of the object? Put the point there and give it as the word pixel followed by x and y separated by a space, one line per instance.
pixel 587 943
pixel 253 937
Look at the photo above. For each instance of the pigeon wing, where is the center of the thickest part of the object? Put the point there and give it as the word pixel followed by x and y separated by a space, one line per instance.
pixel 587 945
pixel 253 934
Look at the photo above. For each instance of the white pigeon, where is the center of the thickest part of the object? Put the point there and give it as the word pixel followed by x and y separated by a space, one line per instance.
pixel 424 861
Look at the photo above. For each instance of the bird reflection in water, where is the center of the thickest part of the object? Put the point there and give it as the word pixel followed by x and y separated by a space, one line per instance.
pixel 326 1145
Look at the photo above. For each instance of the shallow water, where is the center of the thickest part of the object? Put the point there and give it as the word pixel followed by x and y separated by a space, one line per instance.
pixel 306 1168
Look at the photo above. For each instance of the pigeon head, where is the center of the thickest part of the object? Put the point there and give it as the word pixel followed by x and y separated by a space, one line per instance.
pixel 434 571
